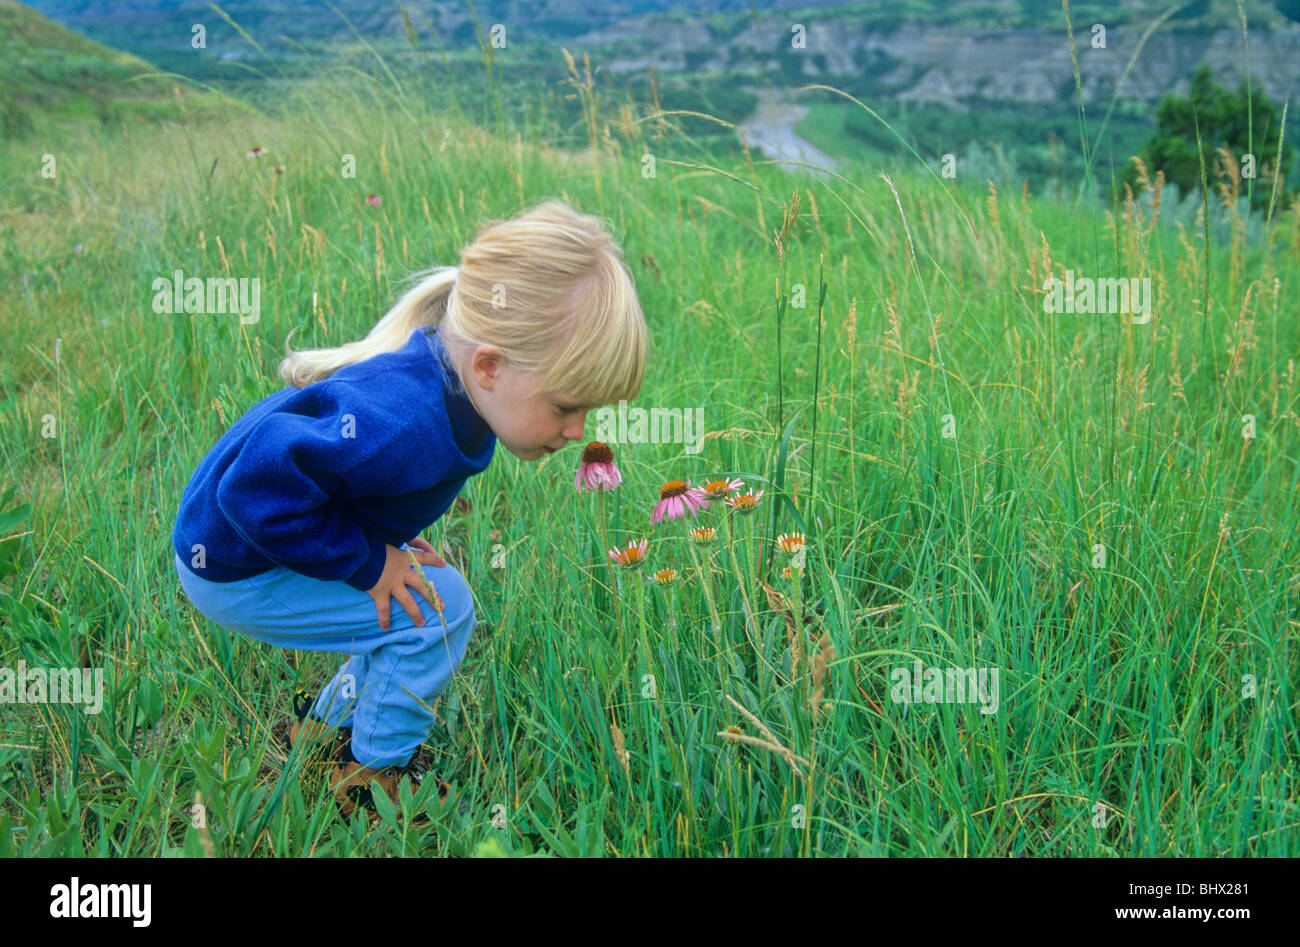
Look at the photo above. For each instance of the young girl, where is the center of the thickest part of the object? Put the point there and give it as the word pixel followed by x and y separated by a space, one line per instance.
pixel 302 522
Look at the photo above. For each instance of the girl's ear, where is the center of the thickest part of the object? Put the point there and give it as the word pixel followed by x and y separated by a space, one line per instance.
pixel 487 363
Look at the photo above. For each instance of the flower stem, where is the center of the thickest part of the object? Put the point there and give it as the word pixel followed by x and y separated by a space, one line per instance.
pixel 751 629
pixel 640 601
pixel 800 657
pixel 754 557
pixel 706 579
pixel 609 566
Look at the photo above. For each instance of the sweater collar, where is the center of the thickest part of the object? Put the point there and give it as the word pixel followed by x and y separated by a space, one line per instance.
pixel 467 426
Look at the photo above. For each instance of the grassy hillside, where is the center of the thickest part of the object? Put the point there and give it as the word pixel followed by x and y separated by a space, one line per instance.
pixel 50 74
pixel 1104 511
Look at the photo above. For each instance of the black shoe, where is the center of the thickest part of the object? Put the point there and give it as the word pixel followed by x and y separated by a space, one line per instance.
pixel 288 731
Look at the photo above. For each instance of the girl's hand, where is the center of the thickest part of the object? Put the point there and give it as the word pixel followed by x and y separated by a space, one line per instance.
pixel 421 543
pixel 398 574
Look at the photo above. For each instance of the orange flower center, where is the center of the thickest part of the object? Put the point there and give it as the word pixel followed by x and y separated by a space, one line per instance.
pixel 673 488
pixel 597 453
pixel 791 544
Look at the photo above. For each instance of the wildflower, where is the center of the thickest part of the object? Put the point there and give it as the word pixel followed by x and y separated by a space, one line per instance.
pixel 372 200
pixel 718 489
pixel 78 249
pixel 787 572
pixel 255 152
pixel 745 502
pixel 676 499
pixel 704 535
pixel 278 169
pixel 632 557
pixel 666 576
pixel 791 544
pixel 597 471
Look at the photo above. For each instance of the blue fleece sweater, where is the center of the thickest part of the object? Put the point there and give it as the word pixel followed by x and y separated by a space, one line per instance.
pixel 318 479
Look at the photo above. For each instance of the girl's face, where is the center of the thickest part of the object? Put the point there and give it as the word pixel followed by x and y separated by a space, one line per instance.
pixel 528 422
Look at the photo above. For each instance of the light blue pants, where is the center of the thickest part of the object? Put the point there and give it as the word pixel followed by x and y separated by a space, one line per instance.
pixel 382 690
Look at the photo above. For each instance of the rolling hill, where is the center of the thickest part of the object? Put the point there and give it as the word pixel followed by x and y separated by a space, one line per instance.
pixel 48 73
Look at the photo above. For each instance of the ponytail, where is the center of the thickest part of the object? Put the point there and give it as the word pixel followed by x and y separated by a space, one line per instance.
pixel 422 305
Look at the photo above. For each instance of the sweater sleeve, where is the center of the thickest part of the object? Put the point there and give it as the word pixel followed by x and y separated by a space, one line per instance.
pixel 278 492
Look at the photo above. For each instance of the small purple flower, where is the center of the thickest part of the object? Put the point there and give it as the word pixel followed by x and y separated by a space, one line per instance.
pixel 597 471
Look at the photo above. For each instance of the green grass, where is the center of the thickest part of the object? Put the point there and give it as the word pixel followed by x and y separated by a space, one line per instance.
pixel 1121 683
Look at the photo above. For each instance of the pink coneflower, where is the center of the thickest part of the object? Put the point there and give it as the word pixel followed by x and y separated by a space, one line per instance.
pixel 597 471
pixel 372 200
pixel 718 489
pixel 632 556
pixel 278 169
pixel 666 576
pixel 745 502
pixel 255 152
pixel 676 499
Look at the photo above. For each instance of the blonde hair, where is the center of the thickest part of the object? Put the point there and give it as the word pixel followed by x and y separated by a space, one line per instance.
pixel 549 288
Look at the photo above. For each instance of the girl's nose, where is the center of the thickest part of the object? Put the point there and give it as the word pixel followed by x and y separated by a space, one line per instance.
pixel 574 431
